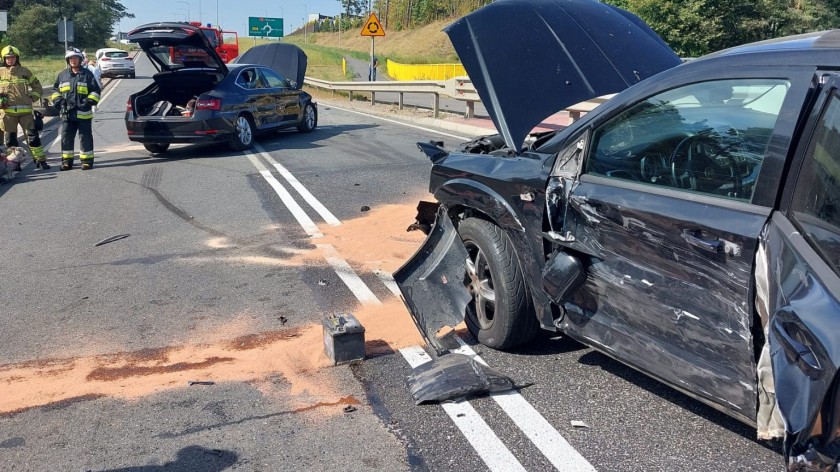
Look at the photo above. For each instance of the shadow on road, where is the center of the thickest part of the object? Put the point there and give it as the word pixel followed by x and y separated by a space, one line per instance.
pixel 190 458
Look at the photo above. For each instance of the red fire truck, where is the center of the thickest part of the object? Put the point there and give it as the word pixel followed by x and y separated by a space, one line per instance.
pixel 226 43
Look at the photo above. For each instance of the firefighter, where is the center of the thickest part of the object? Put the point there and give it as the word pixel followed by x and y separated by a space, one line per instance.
pixel 75 93
pixel 20 88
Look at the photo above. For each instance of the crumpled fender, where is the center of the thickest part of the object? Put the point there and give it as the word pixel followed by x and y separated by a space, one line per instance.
pixel 475 195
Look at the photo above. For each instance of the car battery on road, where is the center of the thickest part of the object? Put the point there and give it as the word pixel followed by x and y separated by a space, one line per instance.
pixel 344 338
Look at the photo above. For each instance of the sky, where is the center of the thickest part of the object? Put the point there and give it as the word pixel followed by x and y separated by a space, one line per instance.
pixel 232 15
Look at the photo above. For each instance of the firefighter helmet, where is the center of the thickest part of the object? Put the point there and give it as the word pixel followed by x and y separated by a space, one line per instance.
pixel 73 52
pixel 9 51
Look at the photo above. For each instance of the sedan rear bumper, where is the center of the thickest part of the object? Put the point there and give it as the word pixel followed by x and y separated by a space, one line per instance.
pixel 179 130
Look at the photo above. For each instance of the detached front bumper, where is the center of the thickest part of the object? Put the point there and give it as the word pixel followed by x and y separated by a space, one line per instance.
pixel 432 281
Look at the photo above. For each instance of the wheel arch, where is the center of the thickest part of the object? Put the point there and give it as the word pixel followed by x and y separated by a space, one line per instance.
pixel 468 198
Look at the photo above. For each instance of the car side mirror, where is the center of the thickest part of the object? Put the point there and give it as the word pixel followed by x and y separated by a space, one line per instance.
pixel 293 84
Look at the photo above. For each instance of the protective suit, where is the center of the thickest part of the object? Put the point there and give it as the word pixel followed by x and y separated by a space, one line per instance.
pixel 19 88
pixel 75 93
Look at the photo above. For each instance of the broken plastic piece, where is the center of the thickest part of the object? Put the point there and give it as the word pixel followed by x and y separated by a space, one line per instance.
pixel 454 377
pixel 579 424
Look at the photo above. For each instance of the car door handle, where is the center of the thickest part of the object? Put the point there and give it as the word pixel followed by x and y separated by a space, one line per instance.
pixel 692 237
pixel 798 353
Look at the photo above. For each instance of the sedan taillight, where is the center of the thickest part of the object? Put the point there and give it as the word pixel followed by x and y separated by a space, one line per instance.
pixel 105 59
pixel 208 104
pixel 128 106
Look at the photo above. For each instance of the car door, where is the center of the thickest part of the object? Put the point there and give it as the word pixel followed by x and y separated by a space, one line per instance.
pixel 802 253
pixel 258 99
pixel 286 97
pixel 664 217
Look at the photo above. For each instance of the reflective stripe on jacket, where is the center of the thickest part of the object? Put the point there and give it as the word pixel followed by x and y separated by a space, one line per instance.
pixel 76 89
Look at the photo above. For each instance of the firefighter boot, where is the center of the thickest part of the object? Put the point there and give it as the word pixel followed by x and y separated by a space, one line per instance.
pixel 41 164
pixel 66 164
pixel 87 164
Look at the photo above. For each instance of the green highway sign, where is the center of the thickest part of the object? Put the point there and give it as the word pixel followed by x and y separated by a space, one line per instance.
pixel 265 27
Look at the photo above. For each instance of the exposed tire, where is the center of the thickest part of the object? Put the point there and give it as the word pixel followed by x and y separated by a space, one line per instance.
pixel 500 314
pixel 156 148
pixel 243 135
pixel 310 119
pixel 131 75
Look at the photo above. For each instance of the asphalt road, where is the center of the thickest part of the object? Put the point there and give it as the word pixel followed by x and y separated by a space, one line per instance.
pixel 223 279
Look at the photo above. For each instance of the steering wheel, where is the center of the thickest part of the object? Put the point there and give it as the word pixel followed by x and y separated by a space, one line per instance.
pixel 700 163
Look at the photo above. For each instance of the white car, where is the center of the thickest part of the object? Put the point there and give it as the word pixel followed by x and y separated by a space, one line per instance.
pixel 114 62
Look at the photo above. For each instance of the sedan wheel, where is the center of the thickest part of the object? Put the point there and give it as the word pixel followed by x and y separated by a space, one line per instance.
pixel 500 314
pixel 156 148
pixel 310 119
pixel 243 135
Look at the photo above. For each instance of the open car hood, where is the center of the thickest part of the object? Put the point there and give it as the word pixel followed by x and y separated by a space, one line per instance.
pixel 287 59
pixel 173 46
pixel 529 59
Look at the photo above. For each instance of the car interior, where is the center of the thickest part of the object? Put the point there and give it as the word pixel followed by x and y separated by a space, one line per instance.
pixel 708 137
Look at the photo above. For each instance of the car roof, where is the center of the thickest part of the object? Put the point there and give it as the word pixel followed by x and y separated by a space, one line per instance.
pixel 817 42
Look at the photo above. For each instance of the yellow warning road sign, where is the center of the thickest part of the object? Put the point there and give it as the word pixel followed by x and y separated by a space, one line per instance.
pixel 373 27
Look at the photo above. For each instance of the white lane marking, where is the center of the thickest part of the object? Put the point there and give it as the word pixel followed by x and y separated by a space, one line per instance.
pixel 302 218
pixel 477 432
pixel 349 276
pixel 389 282
pixel 54 141
pixel 548 440
pixel 111 88
pixel 402 123
pixel 316 205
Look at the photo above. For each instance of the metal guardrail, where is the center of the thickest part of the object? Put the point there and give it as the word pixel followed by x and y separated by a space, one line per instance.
pixel 459 88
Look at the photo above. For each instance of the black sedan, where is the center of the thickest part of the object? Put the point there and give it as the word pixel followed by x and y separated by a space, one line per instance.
pixel 688 227
pixel 196 97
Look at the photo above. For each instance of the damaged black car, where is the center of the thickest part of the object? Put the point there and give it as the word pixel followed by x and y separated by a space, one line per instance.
pixel 688 227
pixel 197 98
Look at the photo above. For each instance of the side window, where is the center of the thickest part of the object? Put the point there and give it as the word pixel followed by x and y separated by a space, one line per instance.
pixel 708 137
pixel 248 79
pixel 275 80
pixel 816 198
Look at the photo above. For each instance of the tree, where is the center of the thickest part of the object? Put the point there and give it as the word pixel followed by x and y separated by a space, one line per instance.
pixel 32 24
pixel 30 28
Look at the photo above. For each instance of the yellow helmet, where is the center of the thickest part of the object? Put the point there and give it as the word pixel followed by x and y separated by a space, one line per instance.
pixel 9 51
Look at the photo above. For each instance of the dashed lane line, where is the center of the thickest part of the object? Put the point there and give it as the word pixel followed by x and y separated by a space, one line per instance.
pixel 349 276
pixel 316 205
pixel 302 218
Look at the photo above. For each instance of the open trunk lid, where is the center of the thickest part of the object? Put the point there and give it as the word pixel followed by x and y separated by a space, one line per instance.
pixel 174 46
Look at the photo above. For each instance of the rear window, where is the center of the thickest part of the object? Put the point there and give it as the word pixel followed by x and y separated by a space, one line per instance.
pixel 211 36
pixel 117 54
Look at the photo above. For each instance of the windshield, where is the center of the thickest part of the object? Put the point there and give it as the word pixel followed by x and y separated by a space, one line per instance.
pixel 183 57
pixel 211 36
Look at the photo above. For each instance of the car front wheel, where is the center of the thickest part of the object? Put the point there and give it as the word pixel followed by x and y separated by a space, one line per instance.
pixel 500 314
pixel 156 148
pixel 310 119
pixel 243 134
